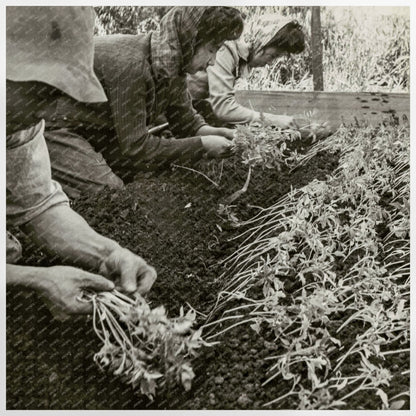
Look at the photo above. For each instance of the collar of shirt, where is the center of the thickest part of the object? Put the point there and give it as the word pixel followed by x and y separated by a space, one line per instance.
pixel 243 51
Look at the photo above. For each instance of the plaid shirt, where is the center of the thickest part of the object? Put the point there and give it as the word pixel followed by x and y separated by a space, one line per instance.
pixel 172 44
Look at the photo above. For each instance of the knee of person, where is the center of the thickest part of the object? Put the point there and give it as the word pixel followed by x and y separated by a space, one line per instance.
pixel 75 190
pixel 13 249
pixel 116 183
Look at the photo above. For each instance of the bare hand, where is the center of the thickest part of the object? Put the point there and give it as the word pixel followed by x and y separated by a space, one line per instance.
pixel 61 287
pixel 216 146
pixel 281 121
pixel 314 130
pixel 129 271
pixel 226 132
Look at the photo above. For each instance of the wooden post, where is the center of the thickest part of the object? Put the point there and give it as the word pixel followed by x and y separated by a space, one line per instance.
pixel 318 77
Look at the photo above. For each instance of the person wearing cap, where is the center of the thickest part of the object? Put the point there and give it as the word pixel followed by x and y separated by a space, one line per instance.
pixel 93 145
pixel 50 49
pixel 264 40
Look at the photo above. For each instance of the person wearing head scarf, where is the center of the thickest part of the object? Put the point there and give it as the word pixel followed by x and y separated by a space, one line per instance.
pixel 49 51
pixel 93 145
pixel 264 39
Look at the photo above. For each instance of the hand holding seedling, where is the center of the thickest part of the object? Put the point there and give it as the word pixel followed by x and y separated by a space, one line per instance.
pixel 310 129
pixel 64 285
pixel 60 287
pixel 130 272
pixel 217 146
pixel 226 132
pixel 149 349
pixel 64 233
pixel 304 125
pixel 281 121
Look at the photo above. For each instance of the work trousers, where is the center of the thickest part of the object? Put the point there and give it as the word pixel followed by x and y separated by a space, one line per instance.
pixel 76 165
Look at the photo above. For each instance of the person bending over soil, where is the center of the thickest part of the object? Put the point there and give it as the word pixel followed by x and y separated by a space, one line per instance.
pixel 213 90
pixel 55 45
pixel 92 145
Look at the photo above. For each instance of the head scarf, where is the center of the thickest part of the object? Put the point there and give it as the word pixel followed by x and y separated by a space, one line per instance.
pixel 172 44
pixel 259 31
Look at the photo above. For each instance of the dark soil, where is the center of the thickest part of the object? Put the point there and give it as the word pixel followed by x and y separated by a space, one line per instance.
pixel 172 221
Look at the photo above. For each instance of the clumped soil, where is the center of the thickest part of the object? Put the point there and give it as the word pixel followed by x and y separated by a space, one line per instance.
pixel 171 219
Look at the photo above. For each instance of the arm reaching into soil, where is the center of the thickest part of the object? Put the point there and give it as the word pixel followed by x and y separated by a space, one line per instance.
pixel 221 81
pixel 128 93
pixel 63 232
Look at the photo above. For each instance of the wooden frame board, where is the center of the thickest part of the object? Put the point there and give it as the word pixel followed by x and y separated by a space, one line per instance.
pixel 335 107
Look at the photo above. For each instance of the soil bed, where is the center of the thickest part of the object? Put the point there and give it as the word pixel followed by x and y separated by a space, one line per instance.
pixel 170 219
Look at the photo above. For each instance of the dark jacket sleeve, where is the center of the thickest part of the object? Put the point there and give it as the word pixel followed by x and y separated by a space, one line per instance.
pixel 183 119
pixel 127 93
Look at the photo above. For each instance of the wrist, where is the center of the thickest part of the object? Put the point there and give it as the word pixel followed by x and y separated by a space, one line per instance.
pixel 207 130
pixel 27 276
pixel 61 231
pixel 103 253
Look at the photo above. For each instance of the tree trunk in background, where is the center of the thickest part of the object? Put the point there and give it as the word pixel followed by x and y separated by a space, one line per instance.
pixel 318 77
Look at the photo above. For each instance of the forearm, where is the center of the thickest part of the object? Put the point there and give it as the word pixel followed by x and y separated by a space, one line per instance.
pixel 227 109
pixel 222 79
pixel 216 131
pixel 212 131
pixel 186 125
pixel 208 131
pixel 183 119
pixel 61 231
pixel 154 150
pixel 30 277
pixel 234 113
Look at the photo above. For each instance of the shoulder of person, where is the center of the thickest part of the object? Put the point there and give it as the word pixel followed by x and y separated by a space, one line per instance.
pixel 122 55
pixel 229 47
pixel 123 48
pixel 200 76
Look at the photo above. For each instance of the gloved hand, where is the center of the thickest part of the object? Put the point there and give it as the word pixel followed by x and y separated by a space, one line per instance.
pixel 129 272
pixel 217 146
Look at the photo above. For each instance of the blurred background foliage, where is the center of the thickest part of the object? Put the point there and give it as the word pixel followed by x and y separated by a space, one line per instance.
pixel 364 48
pixel 128 19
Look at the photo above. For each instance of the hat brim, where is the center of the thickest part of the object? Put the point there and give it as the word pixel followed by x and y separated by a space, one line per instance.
pixel 79 83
